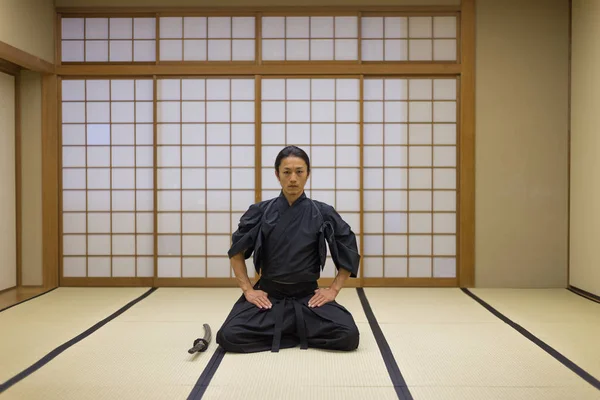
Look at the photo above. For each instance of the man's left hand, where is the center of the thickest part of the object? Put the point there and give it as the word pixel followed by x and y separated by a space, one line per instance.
pixel 322 296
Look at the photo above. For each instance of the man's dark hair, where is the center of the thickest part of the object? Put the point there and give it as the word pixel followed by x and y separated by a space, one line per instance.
pixel 292 151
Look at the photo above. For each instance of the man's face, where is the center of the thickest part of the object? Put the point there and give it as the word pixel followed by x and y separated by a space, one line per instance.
pixel 292 175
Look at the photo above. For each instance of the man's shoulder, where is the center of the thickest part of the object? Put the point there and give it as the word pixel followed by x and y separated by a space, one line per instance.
pixel 323 207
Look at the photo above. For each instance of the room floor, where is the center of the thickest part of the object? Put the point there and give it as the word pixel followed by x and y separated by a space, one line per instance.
pixel 131 343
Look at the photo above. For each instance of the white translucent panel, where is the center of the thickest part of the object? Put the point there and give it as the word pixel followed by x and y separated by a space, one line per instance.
pixel 396 50
pixel 273 27
pixel 269 153
pixel 241 200
pixel 396 200
pixel 347 89
pixel 193 134
pixel 395 222
pixel 99 135
pixel 169 222
pixel 74 267
pixel 444 223
pixel 145 245
pixel 194 246
pixel 171 50
pixel 395 156
pixel 193 267
pixel 96 28
pixel 372 27
pixel 168 134
pixel 444 111
pixel 169 178
pixel 444 134
pixel 98 245
pixel 122 90
pixel 243 50
pixel 218 222
pixel 419 267
pixel 373 111
pixel 420 27
pixel 123 267
pixel 191 89
pixel 444 89
pixel 420 200
pixel 395 111
pixel 348 178
pixel 193 178
pixel 169 267
pixel 123 223
pixel 99 112
pixel 444 267
pixel 171 27
pixel 145 222
pixel 96 51
pixel 420 50
pixel 121 28
pixel 420 178
pixel 273 89
pixel 123 178
pixel 194 223
pixel 144 156
pixel 373 267
pixel 218 157
pixel 323 178
pixel 420 156
pixel 444 156
pixel 373 200
pixel 243 27
pixel 194 200
pixel 395 267
pixel 219 267
pixel 218 89
pixel 74 245
pixel 395 89
pixel 322 156
pixel 444 49
pixel 195 50
pixel 395 178
pixel 300 89
pixel 242 111
pixel 444 178
pixel 123 245
pixel 373 245
pixel 347 156
pixel 322 49
pixel 169 111
pixel 144 200
pixel 444 27
pixel 270 194
pixel 269 181
pixel 321 27
pixel 73 90
pixel 346 27
pixel 419 134
pixel 194 27
pixel 74 179
pixel 297 49
pixel 444 245
pixel 122 112
pixel 242 179
pixel 217 245
pixel 123 156
pixel 372 50
pixel 396 27
pixel 420 112
pixel 99 201
pixel 326 196
pixel 373 89
pixel 99 267
pixel 144 90
pixel 123 201
pixel 396 245
pixel 347 134
pixel 299 134
pixel 420 223
pixel 299 111
pixel 321 111
pixel 98 179
pixel 444 201
pixel 235 218
pixel 169 200
pixel 144 28
pixel 218 178
pixel 219 50
pixel 72 28
pixel 242 156
pixel 373 134
pixel 145 267
pixel 73 157
pixel 74 201
pixel 72 51
pixel 169 156
pixel 420 89
pixel 73 112
pixel 74 223
pixel 297 27
pixel 329 271
pixel 121 50
pixel 273 49
pixel 218 134
pixel 242 89
pixel 219 27
pixel 373 178
pixel 144 51
pixel 419 245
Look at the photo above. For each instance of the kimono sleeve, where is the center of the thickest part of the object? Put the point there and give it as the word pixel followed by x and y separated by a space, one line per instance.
pixel 342 241
pixel 244 238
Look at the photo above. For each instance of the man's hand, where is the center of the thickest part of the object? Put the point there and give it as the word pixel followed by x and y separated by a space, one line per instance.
pixel 258 298
pixel 322 296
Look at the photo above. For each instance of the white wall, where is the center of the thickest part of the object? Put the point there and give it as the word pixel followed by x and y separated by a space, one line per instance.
pixel 8 244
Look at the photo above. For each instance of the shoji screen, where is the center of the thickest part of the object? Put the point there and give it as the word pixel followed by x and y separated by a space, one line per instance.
pixel 107 178
pixel 410 177
pixel 322 116
pixel 205 167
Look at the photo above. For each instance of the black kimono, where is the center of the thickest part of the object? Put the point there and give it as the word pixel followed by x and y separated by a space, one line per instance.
pixel 289 246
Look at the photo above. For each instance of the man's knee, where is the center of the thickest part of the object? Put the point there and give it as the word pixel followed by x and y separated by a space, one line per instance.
pixel 350 337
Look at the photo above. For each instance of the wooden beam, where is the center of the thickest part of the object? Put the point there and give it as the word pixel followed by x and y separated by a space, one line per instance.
pixel 24 59
pixel 9 68
pixel 466 258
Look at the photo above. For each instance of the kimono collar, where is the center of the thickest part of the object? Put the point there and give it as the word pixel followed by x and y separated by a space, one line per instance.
pixel 283 203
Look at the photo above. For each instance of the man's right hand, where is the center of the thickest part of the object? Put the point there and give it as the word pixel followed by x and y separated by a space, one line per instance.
pixel 258 298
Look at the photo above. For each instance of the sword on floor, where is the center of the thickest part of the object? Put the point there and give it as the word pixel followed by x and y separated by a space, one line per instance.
pixel 201 344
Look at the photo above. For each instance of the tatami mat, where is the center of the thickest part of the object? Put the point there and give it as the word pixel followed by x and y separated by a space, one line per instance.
pixel 142 354
pixel 567 322
pixel 31 330
pixel 449 347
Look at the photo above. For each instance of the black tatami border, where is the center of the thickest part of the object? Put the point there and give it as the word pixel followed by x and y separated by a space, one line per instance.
pixel 584 294
pixel 31 298
pixel 544 346
pixel 57 351
pixel 207 374
pixel 388 357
